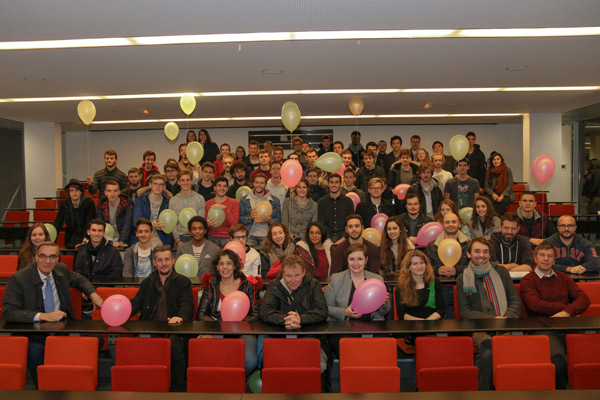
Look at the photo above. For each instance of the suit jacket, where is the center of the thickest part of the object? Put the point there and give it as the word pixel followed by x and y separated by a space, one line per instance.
pixel 337 295
pixel 209 251
pixel 23 298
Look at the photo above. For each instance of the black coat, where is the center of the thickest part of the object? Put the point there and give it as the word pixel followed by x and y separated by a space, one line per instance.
pixel 209 302
pixel 180 301
pixel 366 209
pixel 436 195
pixel 74 233
pixel 108 262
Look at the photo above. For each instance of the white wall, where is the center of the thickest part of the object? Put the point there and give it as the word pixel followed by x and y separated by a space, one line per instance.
pixel 43 155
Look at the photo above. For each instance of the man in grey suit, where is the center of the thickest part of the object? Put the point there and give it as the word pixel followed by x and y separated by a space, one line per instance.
pixel 40 292
pixel 202 249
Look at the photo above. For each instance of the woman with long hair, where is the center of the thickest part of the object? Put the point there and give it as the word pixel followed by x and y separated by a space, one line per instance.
pixel 278 245
pixel 315 249
pixel 484 222
pixel 449 206
pixel 298 210
pixel 422 157
pixel 36 235
pixel 499 183
pixel 211 150
pixel 191 136
pixel 419 294
pixel 240 153
pixel 394 245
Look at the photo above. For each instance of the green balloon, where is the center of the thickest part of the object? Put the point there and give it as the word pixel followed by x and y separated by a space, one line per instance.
pixel 255 382
pixel 187 265
pixel 194 152
pixel 241 192
pixel 185 215
pixel 466 214
pixel 169 218
pixel 459 147
pixel 109 232
pixel 218 213
pixel 329 162
pixel 51 231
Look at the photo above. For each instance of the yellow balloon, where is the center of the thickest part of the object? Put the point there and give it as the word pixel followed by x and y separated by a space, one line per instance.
pixel 287 103
pixel 329 162
pixel 372 235
pixel 449 252
pixel 241 192
pixel 194 152
pixel 264 208
pixel 187 103
pixel 290 116
pixel 51 231
pixel 459 147
pixel 356 106
pixel 466 214
pixel 185 215
pixel 169 218
pixel 109 232
pixel 171 131
pixel 86 111
pixel 218 214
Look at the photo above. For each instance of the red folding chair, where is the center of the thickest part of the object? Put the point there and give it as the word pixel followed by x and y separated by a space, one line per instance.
pixel 142 365
pixel 216 366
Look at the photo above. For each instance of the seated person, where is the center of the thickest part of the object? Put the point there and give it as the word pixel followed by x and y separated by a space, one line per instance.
pixel 275 184
pixel 137 259
pixel 219 235
pixel 413 219
pixel 263 165
pixel 576 254
pixel 549 293
pixel 134 182
pixel 485 290
pixel 148 167
pixel 117 210
pixel 251 267
pixel 278 245
pixel 394 245
pixel 462 189
pixel 510 249
pixel 354 229
pixel 294 298
pixel 299 210
pixel 315 189
pixel 167 296
pixel 348 184
pixel 149 205
pixel 315 249
pixel 40 292
pixel 533 224
pixel 203 250
pixel 206 186
pixel 368 171
pixel 402 171
pixel 258 225
pixel 239 171
pixel 171 169
pixel 75 213
pixel 36 235
pixel 451 224
pixel 374 203
pixel 225 277
pixel 484 221
pixel 427 189
pixel 448 206
pixel 98 257
pixel 186 198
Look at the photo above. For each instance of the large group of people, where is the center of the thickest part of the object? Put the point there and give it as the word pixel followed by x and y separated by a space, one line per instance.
pixel 313 232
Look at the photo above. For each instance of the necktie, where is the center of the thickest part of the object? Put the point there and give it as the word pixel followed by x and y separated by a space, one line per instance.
pixel 48 296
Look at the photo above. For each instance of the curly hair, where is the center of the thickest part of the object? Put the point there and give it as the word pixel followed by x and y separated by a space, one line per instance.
pixel 237 264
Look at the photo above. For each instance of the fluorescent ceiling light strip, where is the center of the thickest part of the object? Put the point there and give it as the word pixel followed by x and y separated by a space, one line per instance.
pixel 294 36
pixel 296 92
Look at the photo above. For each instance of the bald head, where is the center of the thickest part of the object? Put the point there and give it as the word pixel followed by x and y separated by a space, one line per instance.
pixel 566 228
pixel 451 224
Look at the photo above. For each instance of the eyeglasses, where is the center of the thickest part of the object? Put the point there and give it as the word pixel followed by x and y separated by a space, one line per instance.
pixel 567 226
pixel 45 257
pixel 376 188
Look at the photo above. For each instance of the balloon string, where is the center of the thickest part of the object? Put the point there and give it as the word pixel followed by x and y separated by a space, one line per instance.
pixel 87 140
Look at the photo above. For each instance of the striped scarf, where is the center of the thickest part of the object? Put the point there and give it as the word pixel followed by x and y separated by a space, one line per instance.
pixel 491 282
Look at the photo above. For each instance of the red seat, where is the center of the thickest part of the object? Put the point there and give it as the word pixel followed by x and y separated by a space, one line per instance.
pixel 44 215
pixel 592 289
pixel 519 187
pixel 70 363
pixel 17 216
pixel 561 209
pixel 522 363
pixel 108 291
pixel 60 240
pixel 8 264
pixel 76 301
pixel 291 366
pixel 13 362
pixel 445 364
pixel 512 208
pixel 67 259
pixel 583 360
pixel 142 365
pixel 45 203
pixel 216 366
pixel 369 365
pixel 62 194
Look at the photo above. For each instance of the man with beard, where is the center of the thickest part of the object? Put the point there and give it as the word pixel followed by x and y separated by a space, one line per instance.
pixel 98 257
pixel 576 254
pixel 451 224
pixel 354 229
pixel 109 172
pixel 509 249
pixel 413 219
pixel 239 175
pixel 334 208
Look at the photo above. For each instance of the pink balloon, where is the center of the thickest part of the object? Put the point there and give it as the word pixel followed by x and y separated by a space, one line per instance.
pixel 235 306
pixel 378 221
pixel 340 171
pixel 354 197
pixel 238 249
pixel 543 168
pixel 116 310
pixel 400 190
pixel 428 233
pixel 291 172
pixel 369 296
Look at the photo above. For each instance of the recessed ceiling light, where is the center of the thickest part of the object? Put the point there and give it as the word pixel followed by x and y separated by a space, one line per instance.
pixel 144 111
pixel 272 71
pixel 34 79
pixel 514 68
pixel 427 106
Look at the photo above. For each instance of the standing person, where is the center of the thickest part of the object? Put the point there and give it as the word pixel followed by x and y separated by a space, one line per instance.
pixel 239 174
pixel 227 171
pixel 137 259
pixel 186 198
pixel 415 144
pixel 202 250
pixel 354 229
pixel 278 245
pixel 171 169
pixel 278 153
pixel 191 136
pixel 338 147
pixel 413 219
pixel 167 296
pixel 240 153
pixel 299 210
pixel 499 183
pixel 110 171
pixel 591 186
pixel 534 224
pixel 576 254
pixel 206 186
pixel 510 249
pixel 422 156
pixel 485 290
pixel 263 165
pixel 315 249
pixel 275 184
pixel 368 171
pixel 349 179
pixel 394 155
pixel 449 163
pixel 394 245
pixel 231 207
pixel 476 160
pixel 451 231
pixel 316 191
pixel 311 157
pixel 149 205
pixel 98 257
pixel 356 148
pixel 183 162
pixel 226 277
pixel 334 208
pixel 325 145
pixel 148 167
pixel 347 159
pixel 36 235
pixel 402 171
pixel 258 225
pixel 430 195
pixel 549 293
pixel 381 152
pixel 252 160
pixel 251 267
pixel 374 203
pixel 373 147
pixel 116 210
pixel 134 182
pixel 75 212
pixel 225 150
pixel 40 292
pixel 297 147
pixel 484 221
pixel 441 175
pixel 211 150
pixel 462 189
pixel 268 146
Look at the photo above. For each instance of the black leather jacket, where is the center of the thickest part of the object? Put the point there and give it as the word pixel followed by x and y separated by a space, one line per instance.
pixel 209 302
